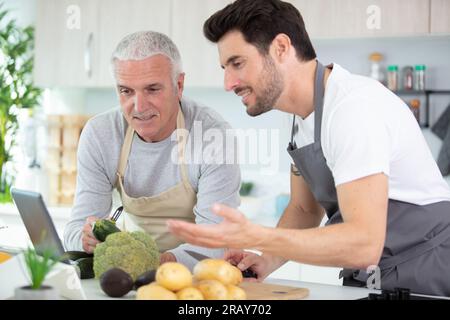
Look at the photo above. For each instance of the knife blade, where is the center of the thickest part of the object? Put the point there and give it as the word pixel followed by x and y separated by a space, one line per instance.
pixel 199 257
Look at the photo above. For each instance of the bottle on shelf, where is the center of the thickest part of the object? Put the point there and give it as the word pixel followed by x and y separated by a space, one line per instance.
pixel 408 77
pixel 376 71
pixel 414 105
pixel 419 77
pixel 392 77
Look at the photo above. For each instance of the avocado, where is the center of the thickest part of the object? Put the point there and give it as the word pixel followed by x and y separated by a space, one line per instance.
pixel 145 278
pixel 116 283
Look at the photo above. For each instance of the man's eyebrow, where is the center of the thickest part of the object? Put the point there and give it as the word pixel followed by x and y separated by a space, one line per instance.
pixel 153 85
pixel 149 86
pixel 230 60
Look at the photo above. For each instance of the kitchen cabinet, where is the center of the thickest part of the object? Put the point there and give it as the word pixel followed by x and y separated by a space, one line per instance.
pixel 75 38
pixel 364 18
pixel 66 46
pixel 200 57
pixel 440 13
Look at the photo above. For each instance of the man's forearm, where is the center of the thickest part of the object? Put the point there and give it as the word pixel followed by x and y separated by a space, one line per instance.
pixel 294 217
pixel 341 245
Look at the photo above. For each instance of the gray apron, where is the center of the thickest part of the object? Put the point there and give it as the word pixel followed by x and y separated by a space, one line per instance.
pixel 416 253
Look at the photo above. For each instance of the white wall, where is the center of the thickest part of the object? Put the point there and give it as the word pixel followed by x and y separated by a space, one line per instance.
pixel 24 11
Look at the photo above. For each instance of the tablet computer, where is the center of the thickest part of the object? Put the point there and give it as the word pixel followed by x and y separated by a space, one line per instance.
pixel 37 221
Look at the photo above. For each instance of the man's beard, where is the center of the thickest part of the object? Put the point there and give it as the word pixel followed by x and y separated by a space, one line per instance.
pixel 270 89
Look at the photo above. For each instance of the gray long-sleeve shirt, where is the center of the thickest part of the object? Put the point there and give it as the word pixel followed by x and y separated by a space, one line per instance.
pixel 150 170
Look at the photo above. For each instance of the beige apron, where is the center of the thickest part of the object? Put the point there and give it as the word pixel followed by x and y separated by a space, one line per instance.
pixel 150 213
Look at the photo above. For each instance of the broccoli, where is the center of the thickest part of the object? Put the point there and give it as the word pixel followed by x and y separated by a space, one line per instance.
pixel 133 252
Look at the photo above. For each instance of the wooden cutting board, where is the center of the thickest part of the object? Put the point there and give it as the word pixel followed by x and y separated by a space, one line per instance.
pixel 266 291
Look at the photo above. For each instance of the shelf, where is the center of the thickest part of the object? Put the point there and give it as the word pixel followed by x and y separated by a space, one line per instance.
pixel 422 92
pixel 427 94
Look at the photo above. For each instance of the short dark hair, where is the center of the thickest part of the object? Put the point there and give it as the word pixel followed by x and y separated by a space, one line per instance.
pixel 260 21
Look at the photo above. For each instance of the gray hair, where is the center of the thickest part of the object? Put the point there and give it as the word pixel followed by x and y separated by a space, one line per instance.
pixel 145 44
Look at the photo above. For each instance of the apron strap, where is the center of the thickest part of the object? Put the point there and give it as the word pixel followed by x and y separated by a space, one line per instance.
pixel 125 151
pixel 319 91
pixel 182 136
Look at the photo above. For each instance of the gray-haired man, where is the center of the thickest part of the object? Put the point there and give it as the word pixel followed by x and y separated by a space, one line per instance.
pixel 131 149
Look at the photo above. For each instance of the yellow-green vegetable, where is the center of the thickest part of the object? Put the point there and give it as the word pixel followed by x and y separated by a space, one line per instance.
pixel 133 252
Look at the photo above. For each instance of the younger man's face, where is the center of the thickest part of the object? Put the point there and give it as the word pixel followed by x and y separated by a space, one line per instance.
pixel 251 75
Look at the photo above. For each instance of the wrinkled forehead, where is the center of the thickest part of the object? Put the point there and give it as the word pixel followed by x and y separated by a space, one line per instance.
pixel 157 68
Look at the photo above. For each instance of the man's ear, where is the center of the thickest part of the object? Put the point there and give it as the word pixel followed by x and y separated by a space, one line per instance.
pixel 281 47
pixel 180 85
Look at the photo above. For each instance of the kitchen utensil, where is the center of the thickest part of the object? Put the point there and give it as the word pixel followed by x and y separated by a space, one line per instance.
pixel 116 214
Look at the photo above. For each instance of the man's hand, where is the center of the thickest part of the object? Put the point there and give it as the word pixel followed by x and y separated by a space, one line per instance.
pixel 87 237
pixel 167 257
pixel 261 265
pixel 235 231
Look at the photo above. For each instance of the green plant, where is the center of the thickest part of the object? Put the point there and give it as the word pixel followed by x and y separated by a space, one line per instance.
pixel 246 188
pixel 38 266
pixel 16 89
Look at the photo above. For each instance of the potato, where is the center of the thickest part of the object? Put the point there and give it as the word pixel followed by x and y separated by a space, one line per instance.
pixel 154 292
pixel 213 290
pixel 173 276
pixel 216 269
pixel 190 293
pixel 236 293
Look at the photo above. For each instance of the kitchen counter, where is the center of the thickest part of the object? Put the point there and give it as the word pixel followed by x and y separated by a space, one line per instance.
pixel 316 291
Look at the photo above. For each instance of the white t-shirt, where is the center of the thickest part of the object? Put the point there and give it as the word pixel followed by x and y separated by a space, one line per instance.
pixel 367 129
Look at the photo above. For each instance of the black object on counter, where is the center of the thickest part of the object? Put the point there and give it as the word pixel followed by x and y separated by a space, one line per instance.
pixel 249 274
pixel 396 295
pixel 403 294
pixel 145 278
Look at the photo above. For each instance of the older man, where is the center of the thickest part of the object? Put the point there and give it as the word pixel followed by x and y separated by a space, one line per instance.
pixel 140 149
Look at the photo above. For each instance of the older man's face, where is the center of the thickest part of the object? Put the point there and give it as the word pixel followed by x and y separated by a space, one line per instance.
pixel 148 97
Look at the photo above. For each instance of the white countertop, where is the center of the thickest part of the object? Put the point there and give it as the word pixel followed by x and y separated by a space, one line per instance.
pixel 316 291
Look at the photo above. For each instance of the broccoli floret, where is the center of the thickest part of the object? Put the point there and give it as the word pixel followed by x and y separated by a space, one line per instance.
pixel 134 252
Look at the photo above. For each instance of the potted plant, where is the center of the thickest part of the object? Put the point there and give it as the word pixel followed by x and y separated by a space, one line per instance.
pixel 16 90
pixel 37 269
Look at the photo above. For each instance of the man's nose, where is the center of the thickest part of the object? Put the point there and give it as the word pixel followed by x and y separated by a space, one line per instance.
pixel 230 81
pixel 139 103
